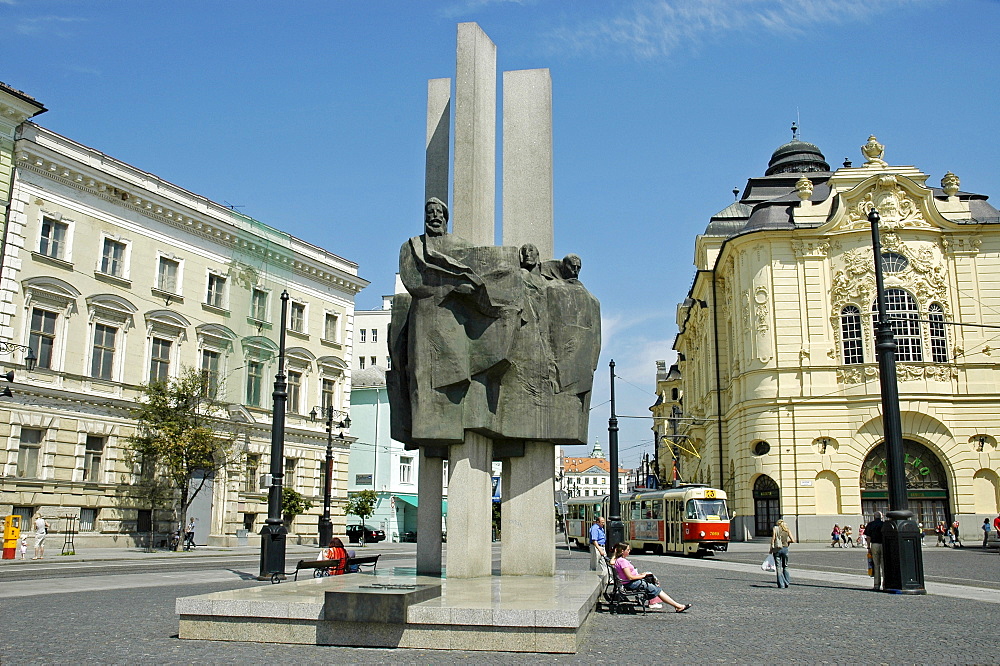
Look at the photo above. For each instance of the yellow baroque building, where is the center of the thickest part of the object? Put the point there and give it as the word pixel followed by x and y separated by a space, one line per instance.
pixel 114 277
pixel 775 396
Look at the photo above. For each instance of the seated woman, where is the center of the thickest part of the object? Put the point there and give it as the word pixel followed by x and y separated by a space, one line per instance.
pixel 633 580
pixel 335 551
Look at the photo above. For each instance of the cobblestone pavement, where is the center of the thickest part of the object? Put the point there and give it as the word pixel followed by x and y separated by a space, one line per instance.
pixel 739 616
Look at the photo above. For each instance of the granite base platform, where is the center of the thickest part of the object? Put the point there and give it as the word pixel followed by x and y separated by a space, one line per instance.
pixel 501 613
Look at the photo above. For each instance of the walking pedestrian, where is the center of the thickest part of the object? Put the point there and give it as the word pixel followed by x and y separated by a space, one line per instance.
pixel 954 535
pixel 835 536
pixel 24 546
pixel 189 534
pixel 646 581
pixel 862 539
pixel 781 537
pixel 873 531
pixel 987 528
pixel 598 537
pixel 41 529
pixel 845 537
pixel 940 530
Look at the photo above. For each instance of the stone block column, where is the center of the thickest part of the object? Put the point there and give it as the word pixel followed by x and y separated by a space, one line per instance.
pixel 470 512
pixel 430 479
pixel 528 532
pixel 438 138
pixel 474 205
pixel 527 160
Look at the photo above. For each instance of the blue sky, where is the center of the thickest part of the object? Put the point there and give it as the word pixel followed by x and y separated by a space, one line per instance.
pixel 309 116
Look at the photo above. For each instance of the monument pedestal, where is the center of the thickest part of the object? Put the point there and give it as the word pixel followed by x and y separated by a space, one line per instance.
pixel 500 613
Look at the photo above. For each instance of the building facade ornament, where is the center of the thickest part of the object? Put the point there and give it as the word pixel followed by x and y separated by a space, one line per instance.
pixel 950 183
pixel 873 151
pixel 804 187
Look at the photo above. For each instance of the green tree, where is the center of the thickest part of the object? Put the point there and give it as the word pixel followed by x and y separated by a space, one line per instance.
pixel 361 504
pixel 180 440
pixel 293 503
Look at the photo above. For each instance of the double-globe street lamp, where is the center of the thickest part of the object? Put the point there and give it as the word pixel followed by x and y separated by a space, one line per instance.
pixel 325 524
pixel 274 533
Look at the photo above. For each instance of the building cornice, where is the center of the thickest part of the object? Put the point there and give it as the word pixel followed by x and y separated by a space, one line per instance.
pixel 70 164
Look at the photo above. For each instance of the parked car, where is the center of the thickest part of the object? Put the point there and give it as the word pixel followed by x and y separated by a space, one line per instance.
pixel 364 534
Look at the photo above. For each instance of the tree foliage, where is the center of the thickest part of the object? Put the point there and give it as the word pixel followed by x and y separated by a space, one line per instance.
pixel 179 442
pixel 293 503
pixel 361 504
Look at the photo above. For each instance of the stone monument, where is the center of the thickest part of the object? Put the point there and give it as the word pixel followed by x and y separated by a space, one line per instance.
pixel 493 348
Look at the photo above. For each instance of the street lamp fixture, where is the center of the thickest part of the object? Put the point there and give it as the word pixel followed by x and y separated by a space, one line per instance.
pixel 30 360
pixel 904 565
pixel 273 535
pixel 325 524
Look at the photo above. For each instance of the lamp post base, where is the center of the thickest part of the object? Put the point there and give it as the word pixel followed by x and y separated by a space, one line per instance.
pixel 903 564
pixel 325 531
pixel 273 537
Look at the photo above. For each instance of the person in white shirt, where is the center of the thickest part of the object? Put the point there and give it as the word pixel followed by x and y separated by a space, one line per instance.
pixel 41 529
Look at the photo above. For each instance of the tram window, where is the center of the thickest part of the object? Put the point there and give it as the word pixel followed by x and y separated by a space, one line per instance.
pixel 701 509
pixel 657 509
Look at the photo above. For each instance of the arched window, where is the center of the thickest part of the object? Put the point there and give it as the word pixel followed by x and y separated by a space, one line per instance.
pixel 902 308
pixel 850 334
pixel 939 337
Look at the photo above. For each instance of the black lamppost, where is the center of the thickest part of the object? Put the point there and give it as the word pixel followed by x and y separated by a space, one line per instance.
pixel 616 528
pixel 273 534
pixel 902 559
pixel 325 524
pixel 30 360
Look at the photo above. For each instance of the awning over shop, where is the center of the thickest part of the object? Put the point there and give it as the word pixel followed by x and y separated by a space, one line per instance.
pixel 411 500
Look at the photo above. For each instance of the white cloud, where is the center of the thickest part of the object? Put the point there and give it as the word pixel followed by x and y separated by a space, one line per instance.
pixel 53 26
pixel 655 28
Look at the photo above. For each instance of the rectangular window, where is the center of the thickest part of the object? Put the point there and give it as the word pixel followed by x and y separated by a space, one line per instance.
pixel 362 333
pixel 27 514
pixel 159 360
pixel 88 520
pixel 248 521
pixel 361 363
pixel 405 470
pixel 27 453
pixel 331 327
pixel 252 470
pixel 216 296
pixel 166 275
pixel 289 479
pixel 372 360
pixel 388 363
pixel 298 322
pixel 374 335
pixel 102 364
pixel 42 339
pixel 92 459
pixel 258 304
pixel 850 332
pixel 113 258
pixel 144 520
pixel 53 240
pixel 210 370
pixel 294 391
pixel 329 393
pixel 255 382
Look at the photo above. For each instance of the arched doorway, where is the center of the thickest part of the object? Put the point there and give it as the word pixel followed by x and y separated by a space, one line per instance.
pixel 926 484
pixel 766 505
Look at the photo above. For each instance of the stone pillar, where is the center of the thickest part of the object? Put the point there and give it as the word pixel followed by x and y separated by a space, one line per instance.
pixel 473 208
pixel 527 160
pixel 430 480
pixel 528 529
pixel 470 509
pixel 438 138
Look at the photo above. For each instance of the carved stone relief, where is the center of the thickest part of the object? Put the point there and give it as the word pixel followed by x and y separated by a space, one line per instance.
pixel 895 206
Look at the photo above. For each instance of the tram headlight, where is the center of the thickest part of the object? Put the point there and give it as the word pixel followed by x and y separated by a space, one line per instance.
pixel 727 534
pixel 701 534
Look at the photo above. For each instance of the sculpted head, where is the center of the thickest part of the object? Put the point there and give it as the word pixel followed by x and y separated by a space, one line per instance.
pixel 435 217
pixel 528 254
pixel 571 266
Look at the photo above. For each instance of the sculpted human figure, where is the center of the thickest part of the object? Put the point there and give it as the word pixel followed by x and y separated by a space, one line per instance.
pixel 449 341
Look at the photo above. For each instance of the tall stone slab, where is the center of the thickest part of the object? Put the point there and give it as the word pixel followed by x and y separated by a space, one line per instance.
pixel 470 516
pixel 528 517
pixel 430 480
pixel 438 139
pixel 474 203
pixel 527 160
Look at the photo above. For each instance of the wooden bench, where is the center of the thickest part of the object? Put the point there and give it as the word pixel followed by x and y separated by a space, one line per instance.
pixel 320 567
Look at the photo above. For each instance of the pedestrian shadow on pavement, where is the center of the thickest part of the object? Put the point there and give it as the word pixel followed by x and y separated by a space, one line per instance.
pixel 243 574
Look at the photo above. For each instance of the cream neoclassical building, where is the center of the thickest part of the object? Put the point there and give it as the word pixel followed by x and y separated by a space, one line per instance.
pixel 113 277
pixel 780 390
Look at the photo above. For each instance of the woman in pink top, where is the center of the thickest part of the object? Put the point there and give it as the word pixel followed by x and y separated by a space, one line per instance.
pixel 633 580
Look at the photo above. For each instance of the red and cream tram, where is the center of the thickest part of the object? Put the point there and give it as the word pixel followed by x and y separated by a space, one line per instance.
pixel 690 519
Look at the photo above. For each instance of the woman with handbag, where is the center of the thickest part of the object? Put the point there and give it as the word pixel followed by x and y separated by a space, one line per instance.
pixel 781 537
pixel 646 581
